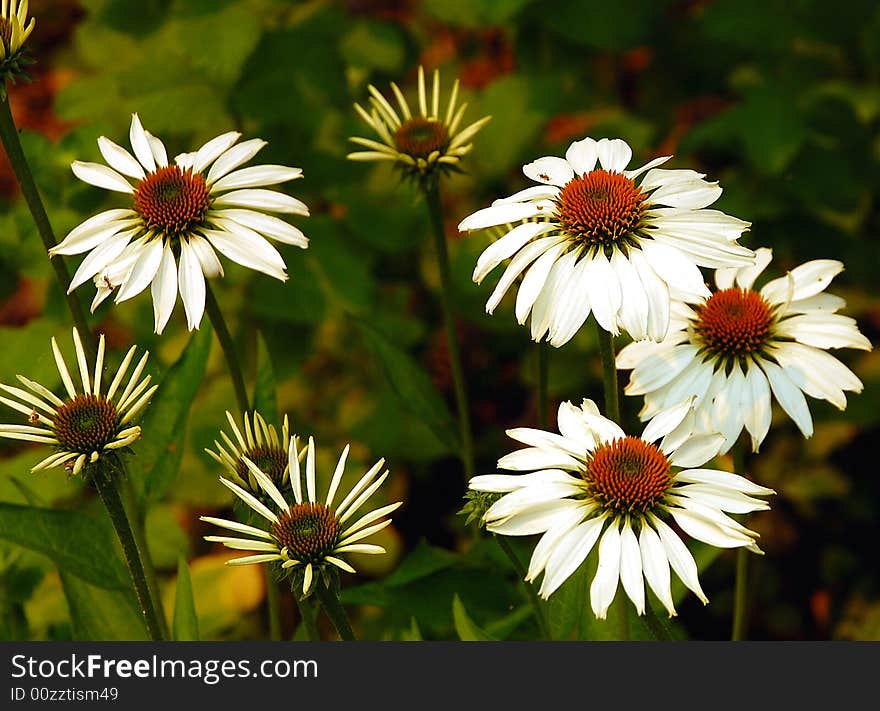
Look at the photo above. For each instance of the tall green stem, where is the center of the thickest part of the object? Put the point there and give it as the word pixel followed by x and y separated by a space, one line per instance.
pixel 543 382
pixel 308 612
pixel 335 611
pixel 138 525
pixel 18 161
pixel 273 602
pixel 225 340
pixel 103 476
pixel 609 374
pixel 435 207
pixel 537 607
pixel 741 586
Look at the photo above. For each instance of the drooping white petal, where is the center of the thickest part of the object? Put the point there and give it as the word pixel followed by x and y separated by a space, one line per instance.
pixel 246 247
pixel 631 568
pixel 507 246
pixel 99 258
pixel 807 279
pixel 569 552
pixel 655 566
pixel 679 558
pixel 143 271
pixel 604 290
pixel 657 294
pixel 536 519
pixel 633 312
pixel 191 283
pixel 678 271
pixel 667 420
pixel 164 289
pixel 521 260
pixel 604 584
pixel 698 450
pixel 789 396
pixel 267 225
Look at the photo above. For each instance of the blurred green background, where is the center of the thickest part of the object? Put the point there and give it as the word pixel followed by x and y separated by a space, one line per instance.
pixel 778 100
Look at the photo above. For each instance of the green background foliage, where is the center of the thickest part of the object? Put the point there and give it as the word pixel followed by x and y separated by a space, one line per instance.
pixel 779 101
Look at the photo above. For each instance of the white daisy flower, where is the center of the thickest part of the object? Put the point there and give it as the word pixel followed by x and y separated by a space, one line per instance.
pixel 593 483
pixel 82 426
pixel 14 32
pixel 421 143
pixel 732 349
pixel 596 237
pixel 306 535
pixel 180 213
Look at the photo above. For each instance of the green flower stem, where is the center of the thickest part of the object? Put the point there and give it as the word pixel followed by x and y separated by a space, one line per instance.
pixel 138 524
pixel 609 374
pixel 330 601
pixel 19 163
pixel 543 380
pixel 273 602
pixel 222 331
pixel 308 612
pixel 103 475
pixel 435 207
pixel 741 585
pixel 534 600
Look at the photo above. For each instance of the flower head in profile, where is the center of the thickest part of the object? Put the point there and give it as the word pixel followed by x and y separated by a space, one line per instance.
pixel 592 484
pixel 737 349
pixel 261 444
pixel 593 236
pixel 81 426
pixel 179 213
pixel 305 535
pixel 14 32
pixel 421 143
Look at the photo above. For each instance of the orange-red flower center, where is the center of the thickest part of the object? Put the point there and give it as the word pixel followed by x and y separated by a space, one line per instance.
pixel 600 207
pixel 419 137
pixel 628 475
pixel 734 322
pixel 309 531
pixel 171 200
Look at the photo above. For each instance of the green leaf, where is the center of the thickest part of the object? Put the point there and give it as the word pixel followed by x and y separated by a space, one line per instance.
pixel 413 386
pixel 465 627
pixel 160 450
pixel 568 605
pixel 75 541
pixel 186 622
pixel 99 614
pixel 265 397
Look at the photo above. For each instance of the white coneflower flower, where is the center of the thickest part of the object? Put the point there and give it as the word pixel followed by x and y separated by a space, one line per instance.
pixel 260 443
pixel 734 348
pixel 596 240
pixel 593 483
pixel 420 143
pixel 179 214
pixel 82 426
pixel 14 32
pixel 306 535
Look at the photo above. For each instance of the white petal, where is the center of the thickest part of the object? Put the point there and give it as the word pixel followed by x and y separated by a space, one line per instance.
pixel 631 568
pixel 722 480
pixel 247 248
pixel 141 144
pixel 657 293
pixel 99 258
pixel 234 157
pixel 501 483
pixel 666 421
pixel 164 289
pixel 679 558
pixel 582 155
pixel 212 150
pixel 536 192
pixel 604 291
pixel 549 170
pixel 534 281
pixel 655 566
pixel 100 176
pixel 789 396
pixel 517 265
pixel 120 159
pixel 158 149
pixel 824 330
pixel 143 271
pixel 507 246
pixel 191 283
pixel 707 531
pixel 537 519
pixel 258 199
pixel 569 553
pixel 604 584
pixel 570 307
pixel 659 366
pixel 502 213
pixel 633 174
pixel 267 225
pixel 745 276
pixel 614 154
pixel 257 176
pixel 808 279
pixel 677 270
pixel 633 313
pixel 84 240
pixel 698 450
pixel 573 427
pixel 548 544
pixel 208 260
pixel 533 458
pixel 817 373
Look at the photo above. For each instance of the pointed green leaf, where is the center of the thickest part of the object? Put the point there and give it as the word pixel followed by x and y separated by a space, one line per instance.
pixel 160 449
pixel 76 542
pixel 100 614
pixel 265 397
pixel 186 622
pixel 465 627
